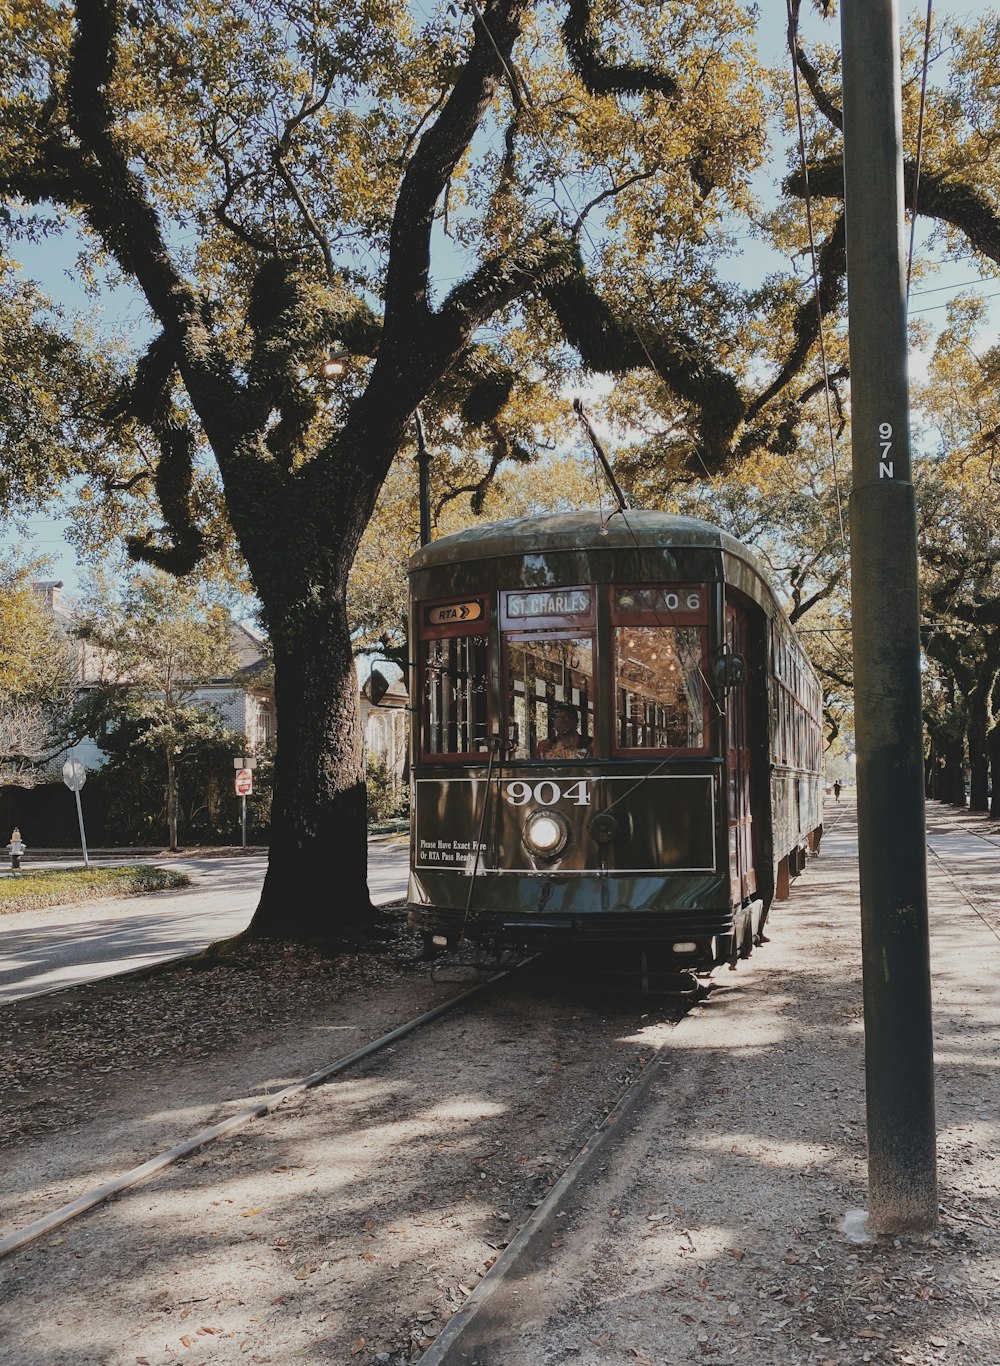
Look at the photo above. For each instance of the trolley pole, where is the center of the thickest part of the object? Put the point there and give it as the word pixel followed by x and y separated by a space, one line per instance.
pixel 899 1067
pixel 424 472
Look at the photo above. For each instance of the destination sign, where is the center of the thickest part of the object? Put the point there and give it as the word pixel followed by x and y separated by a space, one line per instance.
pixel 565 602
pixel 454 612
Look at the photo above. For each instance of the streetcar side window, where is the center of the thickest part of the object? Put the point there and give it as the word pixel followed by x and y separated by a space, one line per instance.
pixel 659 688
pixel 455 687
pixel 550 696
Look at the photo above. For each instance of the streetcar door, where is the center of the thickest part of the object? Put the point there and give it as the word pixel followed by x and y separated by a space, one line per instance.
pixel 741 865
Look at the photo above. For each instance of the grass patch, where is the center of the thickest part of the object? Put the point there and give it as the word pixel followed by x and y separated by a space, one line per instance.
pixel 30 890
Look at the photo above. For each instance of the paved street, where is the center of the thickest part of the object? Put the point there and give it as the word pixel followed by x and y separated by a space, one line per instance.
pixel 62 946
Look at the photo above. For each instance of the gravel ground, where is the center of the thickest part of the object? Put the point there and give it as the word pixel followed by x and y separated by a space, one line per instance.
pixel 345 1227
pixel 351 1225
pixel 716 1231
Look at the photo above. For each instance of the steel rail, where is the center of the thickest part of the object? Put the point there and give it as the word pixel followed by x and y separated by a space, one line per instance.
pixel 440 1351
pixel 12 1242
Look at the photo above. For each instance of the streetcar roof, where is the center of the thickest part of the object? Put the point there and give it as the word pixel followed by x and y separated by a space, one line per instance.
pixel 588 530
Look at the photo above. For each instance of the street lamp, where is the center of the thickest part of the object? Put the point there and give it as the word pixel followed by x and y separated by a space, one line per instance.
pixel 335 365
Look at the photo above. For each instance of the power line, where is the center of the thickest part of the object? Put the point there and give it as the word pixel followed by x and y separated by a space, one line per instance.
pixel 933 308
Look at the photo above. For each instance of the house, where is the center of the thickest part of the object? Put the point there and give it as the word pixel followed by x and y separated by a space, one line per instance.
pixel 244 707
pixel 246 704
pixel 245 698
pixel 385 724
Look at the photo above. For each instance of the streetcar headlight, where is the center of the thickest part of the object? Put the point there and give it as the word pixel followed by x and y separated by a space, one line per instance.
pixel 546 833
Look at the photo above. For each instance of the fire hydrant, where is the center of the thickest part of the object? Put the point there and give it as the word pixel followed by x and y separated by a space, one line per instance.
pixel 16 848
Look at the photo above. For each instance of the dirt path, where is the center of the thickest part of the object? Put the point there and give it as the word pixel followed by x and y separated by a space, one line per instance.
pixel 350 1227
pixel 346 1227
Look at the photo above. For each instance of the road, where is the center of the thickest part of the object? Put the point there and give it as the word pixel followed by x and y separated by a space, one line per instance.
pixel 61 946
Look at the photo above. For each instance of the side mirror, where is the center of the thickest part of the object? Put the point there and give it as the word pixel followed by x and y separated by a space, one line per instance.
pixel 729 671
pixel 375 687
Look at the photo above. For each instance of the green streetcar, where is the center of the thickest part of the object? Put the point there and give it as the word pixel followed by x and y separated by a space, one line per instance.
pixel 616 737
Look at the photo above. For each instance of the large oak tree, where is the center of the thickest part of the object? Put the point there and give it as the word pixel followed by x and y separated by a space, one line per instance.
pixel 449 204
pixel 272 178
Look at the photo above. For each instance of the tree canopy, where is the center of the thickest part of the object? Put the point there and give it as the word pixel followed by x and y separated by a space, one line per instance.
pixel 465 205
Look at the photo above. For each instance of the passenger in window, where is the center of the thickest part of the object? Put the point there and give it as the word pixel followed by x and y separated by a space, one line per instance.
pixel 567 742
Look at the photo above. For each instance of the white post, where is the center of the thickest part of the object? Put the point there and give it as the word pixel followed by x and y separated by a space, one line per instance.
pixel 83 834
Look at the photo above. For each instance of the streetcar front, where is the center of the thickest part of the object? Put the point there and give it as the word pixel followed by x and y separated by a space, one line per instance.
pixel 568 760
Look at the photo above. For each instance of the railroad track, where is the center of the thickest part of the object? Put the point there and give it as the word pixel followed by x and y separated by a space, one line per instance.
pixel 452 1346
pixel 20 1238
pixel 466 1117
pixel 677 986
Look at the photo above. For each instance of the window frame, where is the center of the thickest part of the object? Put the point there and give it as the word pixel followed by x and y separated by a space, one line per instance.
pixel 451 630
pixel 568 632
pixel 659 619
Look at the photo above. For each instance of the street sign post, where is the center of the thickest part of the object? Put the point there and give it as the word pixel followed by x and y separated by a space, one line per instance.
pixel 244 787
pixel 74 776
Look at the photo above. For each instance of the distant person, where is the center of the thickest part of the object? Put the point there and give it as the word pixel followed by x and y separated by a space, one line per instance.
pixel 836 791
pixel 567 742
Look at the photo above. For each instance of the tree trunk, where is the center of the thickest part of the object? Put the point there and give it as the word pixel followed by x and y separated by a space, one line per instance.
pixel 953 777
pixel 316 887
pixel 978 722
pixel 171 799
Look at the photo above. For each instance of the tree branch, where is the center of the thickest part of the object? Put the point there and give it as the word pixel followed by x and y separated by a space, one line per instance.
pixel 941 197
pixel 832 266
pixel 604 78
pixel 608 343
pixel 431 167
pixel 824 102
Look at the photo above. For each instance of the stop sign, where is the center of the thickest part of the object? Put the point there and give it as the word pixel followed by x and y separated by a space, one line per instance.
pixel 74 774
pixel 244 783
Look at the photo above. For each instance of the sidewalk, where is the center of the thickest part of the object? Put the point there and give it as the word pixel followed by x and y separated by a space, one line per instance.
pixel 62 946
pixel 714 1232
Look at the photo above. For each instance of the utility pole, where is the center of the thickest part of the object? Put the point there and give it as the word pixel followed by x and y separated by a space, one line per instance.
pixel 899 1061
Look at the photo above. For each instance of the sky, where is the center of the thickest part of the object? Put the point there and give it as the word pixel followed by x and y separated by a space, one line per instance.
pixel 51 263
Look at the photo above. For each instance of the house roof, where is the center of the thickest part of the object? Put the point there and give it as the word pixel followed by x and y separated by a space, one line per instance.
pixel 249 648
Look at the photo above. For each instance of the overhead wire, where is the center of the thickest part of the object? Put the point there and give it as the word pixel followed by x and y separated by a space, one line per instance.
pixel 920 144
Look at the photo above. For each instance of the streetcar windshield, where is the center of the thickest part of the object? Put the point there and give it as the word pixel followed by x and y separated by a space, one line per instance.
pixel 659 688
pixel 550 696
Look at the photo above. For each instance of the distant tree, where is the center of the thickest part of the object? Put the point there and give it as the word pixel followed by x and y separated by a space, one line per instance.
pixel 37 674
pixel 157 642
